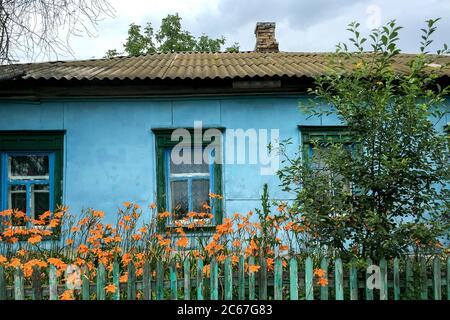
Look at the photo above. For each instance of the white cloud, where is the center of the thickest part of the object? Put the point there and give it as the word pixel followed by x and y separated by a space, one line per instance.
pixel 301 25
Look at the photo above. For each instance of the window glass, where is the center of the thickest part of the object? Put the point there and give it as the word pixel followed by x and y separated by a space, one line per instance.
pixel 194 164
pixel 200 194
pixel 179 198
pixel 29 166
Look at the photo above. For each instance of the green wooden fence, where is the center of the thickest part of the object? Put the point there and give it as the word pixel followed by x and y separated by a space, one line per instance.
pixel 291 279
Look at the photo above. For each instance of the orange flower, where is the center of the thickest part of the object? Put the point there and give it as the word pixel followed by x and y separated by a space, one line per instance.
pixel 14 263
pixel 2 259
pixel 319 272
pixel 269 262
pixel 284 248
pixel 53 223
pixel 253 268
pixel 127 204
pixel 136 237
pixel 236 243
pixel 69 242
pixel 98 214
pixel 127 218
pixel 234 259
pixel 143 230
pixel 83 221
pixel 74 229
pixel 164 215
pixel 152 206
pixel 22 252
pixel 35 239
pixel 322 282
pixel 136 206
pixel 67 295
pixel 57 263
pixel 110 288
pixel 182 242
pixel 6 213
pixel 123 278
pixel 126 258
pixel 221 258
pixel 83 248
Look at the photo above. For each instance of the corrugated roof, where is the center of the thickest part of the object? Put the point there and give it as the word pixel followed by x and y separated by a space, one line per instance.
pixel 196 65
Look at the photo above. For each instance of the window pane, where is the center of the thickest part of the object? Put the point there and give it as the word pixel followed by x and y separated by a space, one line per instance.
pixel 179 199
pixel 29 165
pixel 200 195
pixel 189 166
pixel 17 201
pixel 40 199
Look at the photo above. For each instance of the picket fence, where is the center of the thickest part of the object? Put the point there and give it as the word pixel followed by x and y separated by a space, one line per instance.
pixel 229 282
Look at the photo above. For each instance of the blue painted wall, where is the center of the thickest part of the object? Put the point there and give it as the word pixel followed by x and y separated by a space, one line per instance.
pixel 110 148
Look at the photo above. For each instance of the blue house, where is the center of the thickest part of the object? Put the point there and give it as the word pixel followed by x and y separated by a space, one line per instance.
pixel 96 133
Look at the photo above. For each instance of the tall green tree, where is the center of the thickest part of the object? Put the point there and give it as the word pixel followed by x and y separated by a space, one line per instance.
pixel 171 37
pixel 386 192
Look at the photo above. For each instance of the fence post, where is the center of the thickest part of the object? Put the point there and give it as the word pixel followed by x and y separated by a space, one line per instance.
pixel 228 270
pixel 2 284
pixel 131 283
pixel 52 283
pixel 85 284
pixel 251 280
pixel 353 281
pixel 293 278
pixel 448 278
pixel 278 281
pixel 214 281
pixel 423 279
pixel 262 278
pixel 437 278
pixel 36 293
pixel 147 281
pixel 369 292
pixel 396 279
pixel 409 278
pixel 383 280
pixel 199 279
pixel 159 280
pixel 241 279
pixel 116 280
pixel 338 279
pixel 173 280
pixel 309 278
pixel 19 291
pixel 187 278
pixel 324 289
pixel 101 282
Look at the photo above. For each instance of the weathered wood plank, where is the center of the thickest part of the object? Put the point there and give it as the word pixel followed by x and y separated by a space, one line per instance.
pixel 19 290
pixel 228 270
pixel 309 278
pixel 2 284
pixel 437 278
pixel 131 283
pixel 159 280
pixel 396 279
pixel 263 279
pixel 101 282
pixel 339 279
pixel 409 278
pixel 423 279
pixel 187 278
pixel 199 279
pixel 147 281
pixel 353 281
pixel 52 283
pixel 251 280
pixel 368 290
pixel 85 284
pixel 173 280
pixel 214 280
pixel 116 280
pixel 383 280
pixel 278 281
pixel 293 278
pixel 36 293
pixel 324 289
pixel 241 278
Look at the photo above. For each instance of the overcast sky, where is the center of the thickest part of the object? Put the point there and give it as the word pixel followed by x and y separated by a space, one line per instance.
pixel 313 25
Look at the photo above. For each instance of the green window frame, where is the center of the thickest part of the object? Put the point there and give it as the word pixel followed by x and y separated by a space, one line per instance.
pixel 163 143
pixel 322 134
pixel 34 142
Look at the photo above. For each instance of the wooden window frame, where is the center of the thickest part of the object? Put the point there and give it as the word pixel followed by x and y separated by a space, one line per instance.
pixel 163 142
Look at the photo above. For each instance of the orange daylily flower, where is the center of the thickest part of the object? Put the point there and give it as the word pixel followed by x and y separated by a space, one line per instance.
pixel 319 272
pixel 182 242
pixel 110 288
pixel 67 295
pixel 253 268
pixel 35 239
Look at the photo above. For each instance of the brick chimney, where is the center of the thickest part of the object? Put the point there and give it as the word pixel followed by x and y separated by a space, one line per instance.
pixel 265 37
